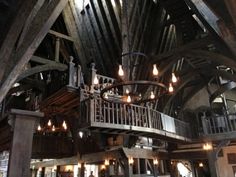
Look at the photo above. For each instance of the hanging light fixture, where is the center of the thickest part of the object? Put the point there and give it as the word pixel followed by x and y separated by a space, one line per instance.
pixel 128 88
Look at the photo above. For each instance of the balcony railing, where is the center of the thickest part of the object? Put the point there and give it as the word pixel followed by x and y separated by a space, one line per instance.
pixel 97 112
pixel 219 124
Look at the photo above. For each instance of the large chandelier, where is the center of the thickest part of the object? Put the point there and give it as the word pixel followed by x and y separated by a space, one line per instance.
pixel 128 88
pixel 127 91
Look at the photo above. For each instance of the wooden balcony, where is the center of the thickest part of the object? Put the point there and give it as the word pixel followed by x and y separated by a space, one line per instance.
pixel 219 127
pixel 116 118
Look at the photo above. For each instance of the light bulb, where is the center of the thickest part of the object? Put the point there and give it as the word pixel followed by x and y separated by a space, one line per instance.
pixel 95 81
pixel 106 162
pixel 121 71
pixel 127 91
pixel 53 128
pixel 49 123
pixel 171 89
pixel 39 128
pixel 155 70
pixel 131 160
pixel 174 78
pixel 200 164
pixel 207 146
pixel 81 134
pixel 79 165
pixel 40 169
pixel 155 162
pixel 103 167
pixel 64 124
pixel 152 96
pixel 65 127
pixel 128 99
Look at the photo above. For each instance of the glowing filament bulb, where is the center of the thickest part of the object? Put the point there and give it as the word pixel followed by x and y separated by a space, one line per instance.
pixel 131 160
pixel 171 89
pixel 128 99
pixel 39 128
pixel 155 162
pixel 49 123
pixel 106 162
pixel 127 91
pixel 120 71
pixel 152 96
pixel 174 78
pixel 64 125
pixel 95 81
pixel 155 70
pixel 53 128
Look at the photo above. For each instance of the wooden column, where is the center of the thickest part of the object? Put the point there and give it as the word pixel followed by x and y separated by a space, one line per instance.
pixel 128 169
pixel 212 162
pixel 23 123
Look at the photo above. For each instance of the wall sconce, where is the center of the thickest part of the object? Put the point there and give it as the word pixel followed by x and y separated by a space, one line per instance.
pixel 155 161
pixel 201 164
pixel 106 163
pixel 131 160
pixel 207 146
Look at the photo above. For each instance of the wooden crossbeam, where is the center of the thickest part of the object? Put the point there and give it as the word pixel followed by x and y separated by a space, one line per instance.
pixel 36 33
pixel 11 37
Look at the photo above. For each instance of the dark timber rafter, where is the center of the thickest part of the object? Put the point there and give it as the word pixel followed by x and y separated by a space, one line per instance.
pixel 39 27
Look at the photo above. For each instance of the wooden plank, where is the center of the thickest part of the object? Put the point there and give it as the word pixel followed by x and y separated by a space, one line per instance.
pixel 60 35
pixel 11 37
pixel 42 68
pixel 37 31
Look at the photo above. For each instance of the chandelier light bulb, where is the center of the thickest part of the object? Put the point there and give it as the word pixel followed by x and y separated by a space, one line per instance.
pixel 128 99
pixel 81 134
pixel 155 162
pixel 152 96
pixel 155 70
pixel 49 123
pixel 120 71
pixel 131 160
pixel 201 164
pixel 39 128
pixel 207 146
pixel 106 162
pixel 127 91
pixel 53 128
pixel 95 81
pixel 64 124
pixel 171 88
pixel 174 78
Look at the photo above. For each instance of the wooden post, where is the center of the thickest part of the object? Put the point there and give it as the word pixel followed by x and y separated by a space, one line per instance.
pixel 71 72
pixel 128 169
pixel 23 123
pixel 57 49
pixel 212 162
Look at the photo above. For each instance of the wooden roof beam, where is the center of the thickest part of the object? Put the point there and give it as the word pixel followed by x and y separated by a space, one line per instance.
pixel 36 32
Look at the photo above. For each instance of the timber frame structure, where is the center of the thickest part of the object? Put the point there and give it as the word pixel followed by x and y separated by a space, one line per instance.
pixel 50 53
